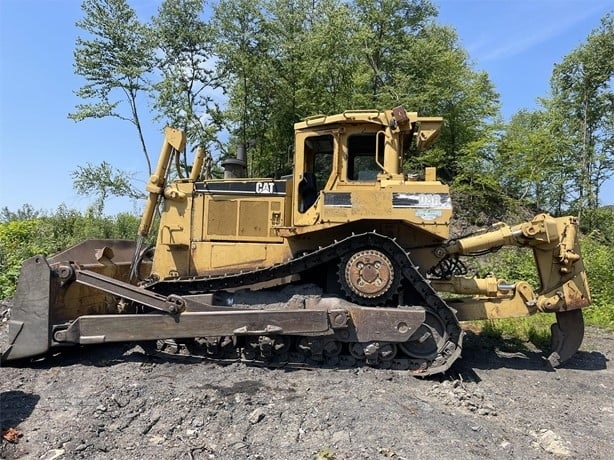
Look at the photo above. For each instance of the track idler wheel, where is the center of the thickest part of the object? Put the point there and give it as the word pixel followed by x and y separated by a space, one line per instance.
pixel 369 277
pixel 429 340
pixel 373 352
pixel 319 348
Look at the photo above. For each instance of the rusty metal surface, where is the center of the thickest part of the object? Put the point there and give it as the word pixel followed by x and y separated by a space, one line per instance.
pixel 386 324
pixel 369 273
pixel 567 336
pixel 85 252
pixel 119 328
pixel 169 304
pixel 29 327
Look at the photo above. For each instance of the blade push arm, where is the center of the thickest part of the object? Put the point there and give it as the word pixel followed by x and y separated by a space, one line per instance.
pixel 543 232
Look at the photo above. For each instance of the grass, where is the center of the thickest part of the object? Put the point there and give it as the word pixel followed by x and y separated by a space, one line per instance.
pixel 600 316
pixel 517 333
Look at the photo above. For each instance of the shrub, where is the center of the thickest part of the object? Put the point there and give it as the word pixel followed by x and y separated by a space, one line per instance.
pixel 47 235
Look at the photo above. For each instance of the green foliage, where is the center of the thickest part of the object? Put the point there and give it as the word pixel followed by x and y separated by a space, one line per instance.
pixel 184 95
pixel 582 118
pixel 599 264
pixel 599 223
pixel 435 77
pixel 283 61
pixel 517 332
pixel 324 454
pixel 47 235
pixel 26 212
pixel 115 61
pixel 481 203
pixel 19 239
pixel 516 264
pixel 535 172
pixel 385 28
pixel 103 181
pixel 510 264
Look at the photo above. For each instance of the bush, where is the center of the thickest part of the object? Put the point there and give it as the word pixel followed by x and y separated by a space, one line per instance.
pixel 19 240
pixel 599 262
pixel 47 235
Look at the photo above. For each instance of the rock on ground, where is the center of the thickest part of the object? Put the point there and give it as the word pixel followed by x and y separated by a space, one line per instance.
pixel 116 402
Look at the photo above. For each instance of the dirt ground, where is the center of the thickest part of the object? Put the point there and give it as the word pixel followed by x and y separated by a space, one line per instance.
pixel 499 401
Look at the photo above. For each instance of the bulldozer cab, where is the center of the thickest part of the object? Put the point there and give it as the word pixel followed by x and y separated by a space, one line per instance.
pixel 339 157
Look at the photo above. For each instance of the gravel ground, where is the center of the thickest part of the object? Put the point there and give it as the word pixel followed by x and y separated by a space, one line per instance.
pixel 117 402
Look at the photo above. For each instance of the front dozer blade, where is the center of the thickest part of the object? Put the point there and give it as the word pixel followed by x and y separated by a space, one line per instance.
pixel 567 335
pixel 29 328
pixel 42 301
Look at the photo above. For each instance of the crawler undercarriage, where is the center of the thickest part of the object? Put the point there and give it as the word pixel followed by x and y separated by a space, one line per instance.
pixel 374 240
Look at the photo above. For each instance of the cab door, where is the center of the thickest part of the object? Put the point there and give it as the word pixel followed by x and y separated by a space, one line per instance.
pixel 315 170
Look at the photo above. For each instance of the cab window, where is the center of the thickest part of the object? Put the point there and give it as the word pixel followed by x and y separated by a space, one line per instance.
pixel 361 156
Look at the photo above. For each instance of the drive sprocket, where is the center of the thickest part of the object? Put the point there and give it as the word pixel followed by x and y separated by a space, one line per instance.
pixel 369 277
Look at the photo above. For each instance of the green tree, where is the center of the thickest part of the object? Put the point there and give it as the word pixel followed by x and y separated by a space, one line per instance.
pixel 330 53
pixel 288 31
pixel 26 212
pixel 533 169
pixel 435 77
pixel 405 57
pixel 385 28
pixel 114 59
pixel 103 181
pixel 243 53
pixel 582 105
pixel 185 95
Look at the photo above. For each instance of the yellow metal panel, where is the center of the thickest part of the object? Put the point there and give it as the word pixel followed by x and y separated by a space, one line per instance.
pixel 214 257
pixel 175 223
pixel 198 217
pixel 243 218
pixel 253 218
pixel 233 255
pixel 222 217
pixel 171 261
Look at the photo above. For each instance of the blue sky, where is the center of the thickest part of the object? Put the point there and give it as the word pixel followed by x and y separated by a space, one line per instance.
pixel 516 41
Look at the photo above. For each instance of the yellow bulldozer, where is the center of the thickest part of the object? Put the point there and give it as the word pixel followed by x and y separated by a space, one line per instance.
pixel 375 241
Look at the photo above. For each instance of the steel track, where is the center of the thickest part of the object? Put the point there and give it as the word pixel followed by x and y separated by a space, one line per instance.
pixel 450 343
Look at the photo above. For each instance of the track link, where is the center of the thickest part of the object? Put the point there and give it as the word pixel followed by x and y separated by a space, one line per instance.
pixel 432 350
